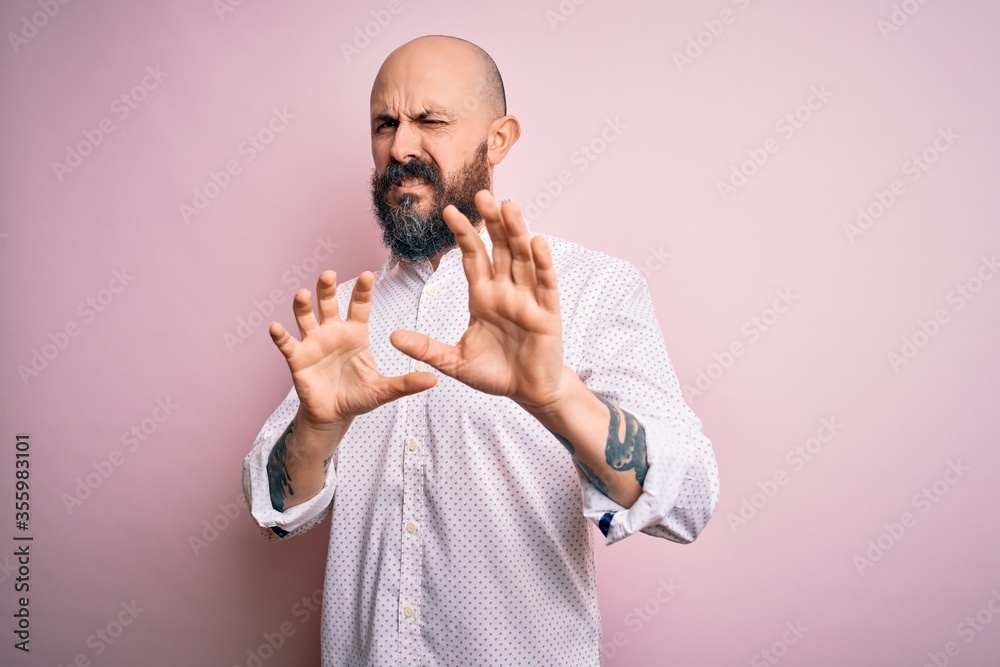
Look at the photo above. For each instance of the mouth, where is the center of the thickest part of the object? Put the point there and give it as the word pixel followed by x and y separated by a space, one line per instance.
pixel 409 184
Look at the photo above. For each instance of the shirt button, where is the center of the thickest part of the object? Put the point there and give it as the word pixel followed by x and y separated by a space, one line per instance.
pixel 420 366
pixel 413 445
pixel 409 611
pixel 431 290
pixel 411 526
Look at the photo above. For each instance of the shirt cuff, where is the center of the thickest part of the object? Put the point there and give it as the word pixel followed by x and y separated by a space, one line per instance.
pixel 255 476
pixel 662 509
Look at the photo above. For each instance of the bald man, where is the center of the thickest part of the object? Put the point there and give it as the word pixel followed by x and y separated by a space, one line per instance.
pixel 464 410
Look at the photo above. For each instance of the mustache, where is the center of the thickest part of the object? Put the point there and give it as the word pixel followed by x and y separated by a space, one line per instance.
pixel 413 169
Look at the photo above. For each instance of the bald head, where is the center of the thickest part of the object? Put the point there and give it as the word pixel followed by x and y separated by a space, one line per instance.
pixel 425 61
pixel 439 126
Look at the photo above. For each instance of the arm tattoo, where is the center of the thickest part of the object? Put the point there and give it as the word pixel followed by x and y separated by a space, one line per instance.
pixel 277 474
pixel 628 453
pixel 584 468
pixel 621 455
pixel 565 443
pixel 592 476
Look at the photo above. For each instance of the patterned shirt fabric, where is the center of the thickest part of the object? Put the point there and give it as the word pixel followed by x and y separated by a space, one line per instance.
pixel 459 532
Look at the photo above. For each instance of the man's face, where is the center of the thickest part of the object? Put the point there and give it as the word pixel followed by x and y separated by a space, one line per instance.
pixel 429 132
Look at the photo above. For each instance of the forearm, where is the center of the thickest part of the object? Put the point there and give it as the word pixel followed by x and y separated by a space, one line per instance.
pixel 607 442
pixel 299 461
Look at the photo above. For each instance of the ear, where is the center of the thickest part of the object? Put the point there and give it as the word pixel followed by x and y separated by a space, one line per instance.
pixel 502 134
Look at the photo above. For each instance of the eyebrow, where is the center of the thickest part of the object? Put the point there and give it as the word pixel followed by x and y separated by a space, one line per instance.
pixel 433 112
pixel 423 115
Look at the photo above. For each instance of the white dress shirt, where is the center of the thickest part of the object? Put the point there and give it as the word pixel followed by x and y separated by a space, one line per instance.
pixel 458 534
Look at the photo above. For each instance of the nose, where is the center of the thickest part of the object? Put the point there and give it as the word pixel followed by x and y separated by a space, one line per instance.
pixel 405 142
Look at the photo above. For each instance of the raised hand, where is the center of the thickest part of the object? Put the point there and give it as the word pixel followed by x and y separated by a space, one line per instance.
pixel 333 369
pixel 513 346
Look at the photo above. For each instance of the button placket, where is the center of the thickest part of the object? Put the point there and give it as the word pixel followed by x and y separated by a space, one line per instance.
pixel 412 511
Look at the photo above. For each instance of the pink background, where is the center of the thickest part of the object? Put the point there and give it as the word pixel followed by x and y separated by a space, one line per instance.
pixel 791 560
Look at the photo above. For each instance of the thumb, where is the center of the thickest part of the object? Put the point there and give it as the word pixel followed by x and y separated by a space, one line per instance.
pixel 423 347
pixel 404 385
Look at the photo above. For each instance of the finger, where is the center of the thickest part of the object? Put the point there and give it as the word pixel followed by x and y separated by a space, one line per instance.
pixel 326 296
pixel 487 206
pixel 305 318
pixel 360 306
pixel 474 258
pixel 423 347
pixel 522 267
pixel 404 385
pixel 546 287
pixel 284 340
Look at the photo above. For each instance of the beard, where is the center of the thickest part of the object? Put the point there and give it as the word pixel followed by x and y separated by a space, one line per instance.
pixel 417 236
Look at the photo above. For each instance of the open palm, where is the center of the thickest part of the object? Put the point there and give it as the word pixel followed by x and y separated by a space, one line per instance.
pixel 333 370
pixel 513 346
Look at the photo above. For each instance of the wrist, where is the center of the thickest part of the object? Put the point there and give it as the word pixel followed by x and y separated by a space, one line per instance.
pixel 311 442
pixel 556 411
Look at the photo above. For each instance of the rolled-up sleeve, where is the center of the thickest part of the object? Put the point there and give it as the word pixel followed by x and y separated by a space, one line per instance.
pixel 275 525
pixel 625 361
